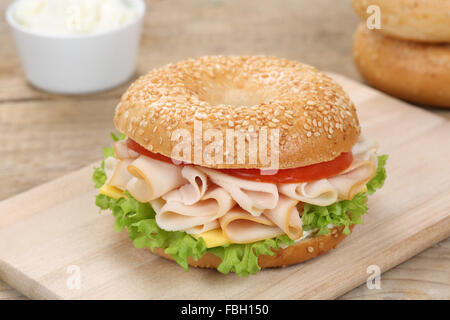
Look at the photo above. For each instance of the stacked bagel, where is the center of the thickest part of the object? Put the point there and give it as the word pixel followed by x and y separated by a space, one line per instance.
pixel 409 56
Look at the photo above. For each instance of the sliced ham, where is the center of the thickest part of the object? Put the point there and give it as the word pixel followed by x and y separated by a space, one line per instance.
pixel 204 227
pixel 365 149
pixel 319 192
pixel 239 226
pixel 363 168
pixel 196 189
pixel 254 197
pixel 121 151
pixel 110 167
pixel 173 215
pixel 153 178
pixel 353 179
pixel 121 176
pixel 286 216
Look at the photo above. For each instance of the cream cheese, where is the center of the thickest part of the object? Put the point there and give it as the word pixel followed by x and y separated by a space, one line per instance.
pixel 74 16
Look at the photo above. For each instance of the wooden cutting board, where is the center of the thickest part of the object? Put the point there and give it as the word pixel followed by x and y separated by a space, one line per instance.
pixel 50 232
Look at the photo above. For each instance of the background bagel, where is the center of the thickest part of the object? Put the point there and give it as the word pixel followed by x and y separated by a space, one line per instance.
pixel 315 117
pixel 296 253
pixel 417 20
pixel 416 72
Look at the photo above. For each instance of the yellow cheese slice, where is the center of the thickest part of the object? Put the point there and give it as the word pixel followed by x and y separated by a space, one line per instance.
pixel 213 238
pixel 111 191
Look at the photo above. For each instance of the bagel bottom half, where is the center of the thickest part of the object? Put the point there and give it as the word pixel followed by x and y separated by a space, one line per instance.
pixel 416 72
pixel 296 253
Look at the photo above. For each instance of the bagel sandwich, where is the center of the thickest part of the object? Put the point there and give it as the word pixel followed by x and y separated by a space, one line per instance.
pixel 237 163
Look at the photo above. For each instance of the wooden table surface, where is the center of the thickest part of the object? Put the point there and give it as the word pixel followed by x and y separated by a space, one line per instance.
pixel 43 136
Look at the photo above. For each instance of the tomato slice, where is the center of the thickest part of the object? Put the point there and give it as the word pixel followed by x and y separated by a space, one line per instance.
pixel 301 174
pixel 133 145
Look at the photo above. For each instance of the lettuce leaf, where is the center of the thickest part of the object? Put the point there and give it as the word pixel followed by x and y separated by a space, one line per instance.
pixel 179 245
pixel 378 181
pixel 116 137
pixel 242 259
pixel 139 220
pixel 342 213
pixel 99 175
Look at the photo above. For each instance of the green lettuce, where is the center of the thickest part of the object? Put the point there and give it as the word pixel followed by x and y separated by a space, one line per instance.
pixel 342 213
pixel 139 220
pixel 242 259
pixel 378 181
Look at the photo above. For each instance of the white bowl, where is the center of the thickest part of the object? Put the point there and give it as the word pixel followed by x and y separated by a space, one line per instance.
pixel 77 64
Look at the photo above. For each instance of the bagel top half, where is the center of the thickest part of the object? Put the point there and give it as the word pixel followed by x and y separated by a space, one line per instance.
pixel 315 118
pixel 415 20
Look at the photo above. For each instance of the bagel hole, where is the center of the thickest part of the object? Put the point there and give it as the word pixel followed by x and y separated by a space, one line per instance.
pixel 233 96
pixel 220 92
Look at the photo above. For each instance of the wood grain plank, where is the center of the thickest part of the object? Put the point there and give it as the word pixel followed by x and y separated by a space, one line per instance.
pixel 409 280
pixel 426 276
pixel 50 138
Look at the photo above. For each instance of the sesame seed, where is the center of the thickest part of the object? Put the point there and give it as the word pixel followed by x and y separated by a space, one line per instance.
pixel 310 249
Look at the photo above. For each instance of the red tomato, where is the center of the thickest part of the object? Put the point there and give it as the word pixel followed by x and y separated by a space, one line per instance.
pixel 301 174
pixel 133 145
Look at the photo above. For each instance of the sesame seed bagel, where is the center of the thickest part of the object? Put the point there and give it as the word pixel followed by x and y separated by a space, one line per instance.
pixel 315 118
pixel 416 20
pixel 415 72
pixel 299 252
